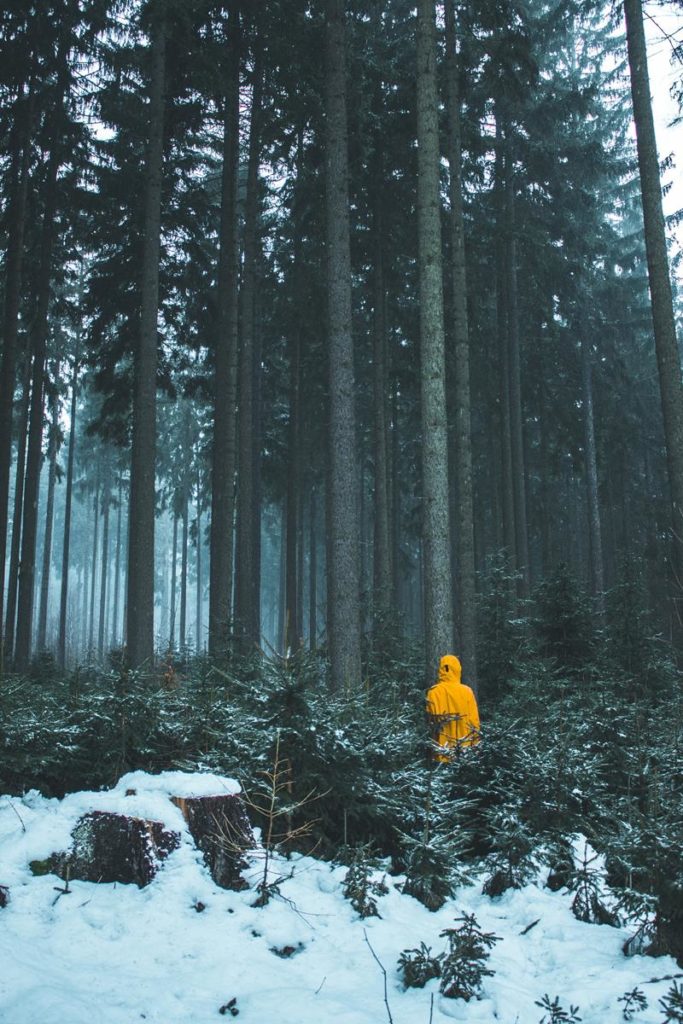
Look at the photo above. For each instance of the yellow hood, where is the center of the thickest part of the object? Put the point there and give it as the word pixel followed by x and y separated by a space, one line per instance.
pixel 450 669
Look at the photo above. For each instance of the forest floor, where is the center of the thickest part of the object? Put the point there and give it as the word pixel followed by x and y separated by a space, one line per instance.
pixel 116 954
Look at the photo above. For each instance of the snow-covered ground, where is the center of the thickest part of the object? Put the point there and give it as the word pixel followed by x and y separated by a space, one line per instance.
pixel 116 954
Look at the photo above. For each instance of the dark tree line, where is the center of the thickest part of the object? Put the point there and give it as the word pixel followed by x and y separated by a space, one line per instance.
pixel 312 310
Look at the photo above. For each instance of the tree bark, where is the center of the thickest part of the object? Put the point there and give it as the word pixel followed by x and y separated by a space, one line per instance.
pixel 508 502
pixel 438 608
pixel 343 568
pixel 142 509
pixel 117 568
pixel 15 225
pixel 17 517
pixel 225 379
pixel 53 445
pixel 66 545
pixel 666 346
pixel 515 385
pixel 35 430
pixel 594 526
pixel 104 566
pixel 463 428
pixel 183 576
pixel 172 603
pixel 247 579
pixel 93 578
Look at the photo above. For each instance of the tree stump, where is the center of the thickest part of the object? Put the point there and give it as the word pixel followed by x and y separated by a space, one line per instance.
pixel 221 830
pixel 111 847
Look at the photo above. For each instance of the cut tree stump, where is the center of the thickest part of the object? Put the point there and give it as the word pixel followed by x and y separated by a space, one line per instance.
pixel 221 830
pixel 111 847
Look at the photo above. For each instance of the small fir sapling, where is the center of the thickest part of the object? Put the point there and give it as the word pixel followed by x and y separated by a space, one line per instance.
pixel 511 862
pixel 359 887
pixel 587 905
pixel 672 1005
pixel 555 1013
pixel 428 871
pixel 633 1001
pixel 463 967
pixel 418 966
pixel 273 804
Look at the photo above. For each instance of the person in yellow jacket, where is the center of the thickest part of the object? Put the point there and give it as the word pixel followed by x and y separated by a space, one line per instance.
pixel 452 710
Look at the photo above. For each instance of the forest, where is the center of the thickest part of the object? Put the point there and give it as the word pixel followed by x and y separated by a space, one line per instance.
pixel 337 336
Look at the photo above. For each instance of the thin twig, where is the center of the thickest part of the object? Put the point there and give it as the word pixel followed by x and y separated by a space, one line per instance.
pixel 23 827
pixel 321 985
pixel 381 967
pixel 530 926
pixel 431 1009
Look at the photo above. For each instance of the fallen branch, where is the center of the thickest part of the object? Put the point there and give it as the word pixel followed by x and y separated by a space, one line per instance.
pixel 381 967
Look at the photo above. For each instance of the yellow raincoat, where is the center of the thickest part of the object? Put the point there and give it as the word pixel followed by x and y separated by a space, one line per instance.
pixel 452 708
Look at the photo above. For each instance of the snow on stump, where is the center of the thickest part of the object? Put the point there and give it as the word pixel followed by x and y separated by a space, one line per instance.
pixel 221 830
pixel 110 847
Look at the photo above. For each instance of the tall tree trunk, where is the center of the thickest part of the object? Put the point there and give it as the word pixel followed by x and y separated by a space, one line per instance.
pixel 17 517
pixel 200 582
pixel 34 456
pixel 117 568
pixel 594 527
pixel 343 568
pixel 292 581
pixel 172 605
pixel 225 378
pixel 382 569
pixel 312 571
pixel 183 576
pixel 66 544
pixel 666 346
pixel 93 578
pixel 508 503
pixel 140 584
pixel 515 384
pixel 15 224
pixel 49 522
pixel 104 568
pixel 247 583
pixel 438 607
pixel 463 428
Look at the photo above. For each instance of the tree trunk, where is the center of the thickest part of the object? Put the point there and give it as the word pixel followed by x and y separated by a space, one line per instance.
pixel 666 346
pixel 343 568
pixel 104 569
pixel 438 608
pixel 49 522
pixel 17 517
pixel 93 578
pixel 14 225
pixel 463 429
pixel 66 546
pixel 183 576
pixel 39 345
pixel 140 584
pixel 225 378
pixel 172 604
pixel 594 527
pixel 117 569
pixel 508 503
pixel 200 581
pixel 515 385
pixel 247 582
pixel 313 573
pixel 382 570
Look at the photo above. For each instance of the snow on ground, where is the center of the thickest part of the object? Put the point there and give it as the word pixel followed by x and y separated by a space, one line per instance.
pixel 116 954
